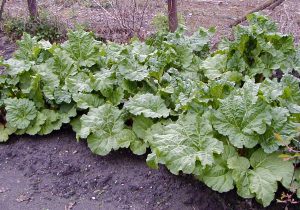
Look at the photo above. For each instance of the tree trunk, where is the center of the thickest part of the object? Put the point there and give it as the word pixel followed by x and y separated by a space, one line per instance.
pixel 172 12
pixel 32 8
pixel 2 8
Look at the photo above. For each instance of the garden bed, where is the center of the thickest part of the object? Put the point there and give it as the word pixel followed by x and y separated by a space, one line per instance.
pixel 54 171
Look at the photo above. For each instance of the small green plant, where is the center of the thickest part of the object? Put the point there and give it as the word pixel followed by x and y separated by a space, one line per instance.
pixel 161 23
pixel 45 27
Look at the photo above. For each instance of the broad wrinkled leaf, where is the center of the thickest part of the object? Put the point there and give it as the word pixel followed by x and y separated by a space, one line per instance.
pixel 138 146
pixel 182 144
pixel 214 66
pixel 5 132
pixel 281 125
pixel 62 64
pixel 29 48
pixel 140 126
pixel 36 126
pixel 82 47
pixel 286 92
pixel 243 117
pixel 238 163
pixel 48 78
pixel 20 112
pixel 81 82
pixel 132 70
pixel 261 180
pixel 271 90
pixel 218 176
pixel 147 104
pixel 240 174
pixel 103 81
pixel 62 96
pixel 105 130
pixel 282 170
pixel 114 96
pixel 291 93
pixel 53 122
pixel 16 67
pixel 85 101
pixel 102 142
pixel 263 184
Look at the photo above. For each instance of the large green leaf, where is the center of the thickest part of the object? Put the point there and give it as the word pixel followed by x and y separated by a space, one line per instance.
pixel 138 146
pixel 215 66
pixel 243 117
pixel 140 126
pixel 82 48
pixel 62 96
pixel 81 82
pixel 16 67
pixel 85 101
pixel 29 48
pixel 261 180
pixel 240 174
pixel 182 144
pixel 263 184
pixel 281 125
pixel 132 70
pixel 147 104
pixel 103 141
pixel 103 81
pixel 20 112
pixel 218 176
pixel 5 132
pixel 52 122
pixel 291 93
pixel 36 126
pixel 105 130
pixel 62 64
pixel 282 170
pixel 286 92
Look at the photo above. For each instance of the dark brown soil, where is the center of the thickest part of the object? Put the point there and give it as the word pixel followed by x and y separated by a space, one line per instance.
pixel 52 172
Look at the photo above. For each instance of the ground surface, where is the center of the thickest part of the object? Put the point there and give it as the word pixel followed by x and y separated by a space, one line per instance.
pixel 55 172
pixel 205 13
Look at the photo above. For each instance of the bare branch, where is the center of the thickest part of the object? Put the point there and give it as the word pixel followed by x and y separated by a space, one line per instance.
pixel 269 3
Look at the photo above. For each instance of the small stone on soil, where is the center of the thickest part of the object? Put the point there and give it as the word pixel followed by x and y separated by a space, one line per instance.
pixel 23 198
pixel 3 190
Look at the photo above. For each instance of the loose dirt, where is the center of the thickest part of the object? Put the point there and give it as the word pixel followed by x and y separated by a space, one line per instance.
pixel 196 13
pixel 55 172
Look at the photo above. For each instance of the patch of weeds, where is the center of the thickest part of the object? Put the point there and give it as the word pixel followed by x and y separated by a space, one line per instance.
pixel 69 3
pixel 45 27
pixel 161 22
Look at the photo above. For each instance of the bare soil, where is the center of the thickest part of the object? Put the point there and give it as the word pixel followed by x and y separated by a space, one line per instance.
pixel 205 13
pixel 55 172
